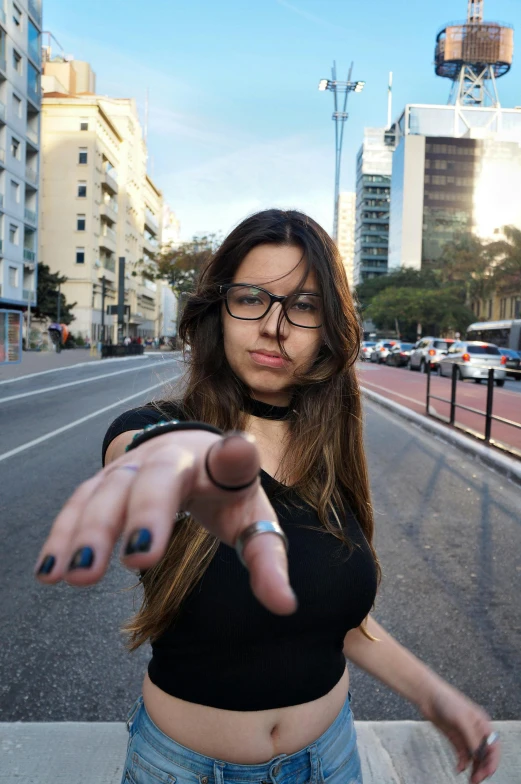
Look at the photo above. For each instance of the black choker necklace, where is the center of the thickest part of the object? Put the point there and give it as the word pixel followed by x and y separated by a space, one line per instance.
pixel 264 410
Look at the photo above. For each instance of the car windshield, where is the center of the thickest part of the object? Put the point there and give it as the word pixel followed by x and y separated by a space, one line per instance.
pixel 443 345
pixel 406 346
pixel 483 350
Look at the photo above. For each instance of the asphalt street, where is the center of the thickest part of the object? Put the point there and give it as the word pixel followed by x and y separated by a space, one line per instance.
pixel 448 536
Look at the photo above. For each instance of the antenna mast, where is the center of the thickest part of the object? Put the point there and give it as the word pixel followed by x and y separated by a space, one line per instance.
pixel 475 11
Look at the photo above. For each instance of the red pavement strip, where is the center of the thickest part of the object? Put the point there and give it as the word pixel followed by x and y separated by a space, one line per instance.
pixel 410 389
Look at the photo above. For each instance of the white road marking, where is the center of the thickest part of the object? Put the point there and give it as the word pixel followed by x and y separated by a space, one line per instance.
pixel 81 381
pixel 77 422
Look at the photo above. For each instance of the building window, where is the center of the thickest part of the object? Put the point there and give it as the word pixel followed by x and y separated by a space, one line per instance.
pixel 84 125
pixel 82 190
pixel 80 223
pixel 17 61
pixel 15 148
pixel 17 15
pixel 13 277
pixel 13 233
pixel 83 155
pixel 17 105
pixel 80 255
pixel 15 192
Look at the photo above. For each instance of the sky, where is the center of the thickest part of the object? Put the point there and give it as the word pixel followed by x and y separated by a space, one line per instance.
pixel 236 122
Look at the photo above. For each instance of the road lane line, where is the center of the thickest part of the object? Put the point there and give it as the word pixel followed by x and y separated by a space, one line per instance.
pixel 85 364
pixel 390 392
pixel 81 381
pixel 53 433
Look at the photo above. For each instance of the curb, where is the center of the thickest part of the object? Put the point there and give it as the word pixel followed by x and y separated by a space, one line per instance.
pixel 505 465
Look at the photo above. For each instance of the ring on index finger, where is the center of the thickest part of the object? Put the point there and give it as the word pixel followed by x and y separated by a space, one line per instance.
pixel 255 529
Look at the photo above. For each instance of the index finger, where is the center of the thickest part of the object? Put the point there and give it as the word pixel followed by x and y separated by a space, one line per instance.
pixel 267 562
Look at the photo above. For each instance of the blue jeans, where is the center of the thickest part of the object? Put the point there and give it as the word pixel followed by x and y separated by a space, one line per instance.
pixel 154 758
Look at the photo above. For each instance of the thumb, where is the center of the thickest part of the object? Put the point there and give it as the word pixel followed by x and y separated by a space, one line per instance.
pixel 233 463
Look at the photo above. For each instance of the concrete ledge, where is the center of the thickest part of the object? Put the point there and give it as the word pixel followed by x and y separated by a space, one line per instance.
pixel 506 465
pixel 392 752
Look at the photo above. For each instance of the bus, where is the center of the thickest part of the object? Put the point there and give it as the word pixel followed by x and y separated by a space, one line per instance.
pixel 505 334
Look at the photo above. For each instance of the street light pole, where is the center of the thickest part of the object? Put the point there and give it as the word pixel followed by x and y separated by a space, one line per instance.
pixel 339 118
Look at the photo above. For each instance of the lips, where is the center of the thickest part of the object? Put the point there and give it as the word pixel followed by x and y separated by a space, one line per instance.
pixel 268 360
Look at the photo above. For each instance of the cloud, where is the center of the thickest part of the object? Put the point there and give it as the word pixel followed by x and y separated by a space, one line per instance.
pixel 312 17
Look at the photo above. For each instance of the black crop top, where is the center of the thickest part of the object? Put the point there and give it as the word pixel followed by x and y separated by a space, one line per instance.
pixel 227 651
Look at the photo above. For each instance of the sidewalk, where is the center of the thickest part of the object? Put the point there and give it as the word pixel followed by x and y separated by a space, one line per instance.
pixel 41 361
pixel 392 752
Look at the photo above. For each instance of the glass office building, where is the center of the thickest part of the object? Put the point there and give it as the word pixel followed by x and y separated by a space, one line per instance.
pixel 373 187
pixel 456 169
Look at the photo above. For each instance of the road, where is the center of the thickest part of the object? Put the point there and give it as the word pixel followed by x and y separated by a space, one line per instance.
pixel 409 389
pixel 448 536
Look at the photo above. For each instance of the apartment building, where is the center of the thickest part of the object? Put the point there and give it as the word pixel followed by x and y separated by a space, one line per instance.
pixel 20 106
pixel 98 203
pixel 346 210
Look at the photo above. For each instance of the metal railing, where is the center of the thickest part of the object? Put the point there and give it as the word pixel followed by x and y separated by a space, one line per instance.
pixel 31 175
pixel 29 295
pixel 2 111
pixel 487 414
pixel 29 255
pixel 32 135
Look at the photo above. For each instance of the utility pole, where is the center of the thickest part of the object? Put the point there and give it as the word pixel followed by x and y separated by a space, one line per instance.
pixel 339 118
pixel 103 281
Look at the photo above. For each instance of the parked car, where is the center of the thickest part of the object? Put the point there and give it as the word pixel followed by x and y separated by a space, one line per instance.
pixel 513 362
pixel 428 351
pixel 381 349
pixel 473 360
pixel 366 349
pixel 399 354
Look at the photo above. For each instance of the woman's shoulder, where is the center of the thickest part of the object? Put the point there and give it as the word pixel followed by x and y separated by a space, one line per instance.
pixel 138 418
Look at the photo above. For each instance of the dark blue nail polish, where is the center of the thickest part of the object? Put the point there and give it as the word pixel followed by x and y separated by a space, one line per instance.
pixel 139 542
pixel 82 559
pixel 47 565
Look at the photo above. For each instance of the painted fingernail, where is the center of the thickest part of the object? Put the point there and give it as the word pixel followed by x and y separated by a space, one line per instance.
pixel 47 565
pixel 82 559
pixel 139 542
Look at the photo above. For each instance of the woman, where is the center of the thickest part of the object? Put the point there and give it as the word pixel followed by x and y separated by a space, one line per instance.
pixel 251 685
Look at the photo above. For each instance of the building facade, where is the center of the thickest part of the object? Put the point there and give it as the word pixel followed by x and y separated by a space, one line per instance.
pixel 346 232
pixel 455 170
pixel 373 186
pixel 98 204
pixel 20 107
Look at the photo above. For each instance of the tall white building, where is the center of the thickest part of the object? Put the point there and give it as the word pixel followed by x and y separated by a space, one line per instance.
pixel 20 104
pixel 346 231
pixel 171 228
pixel 373 184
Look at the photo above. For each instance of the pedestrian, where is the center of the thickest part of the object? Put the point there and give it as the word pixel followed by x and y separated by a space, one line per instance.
pixel 263 453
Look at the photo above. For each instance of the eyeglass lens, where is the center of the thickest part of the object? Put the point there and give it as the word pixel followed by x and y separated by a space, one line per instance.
pixel 248 302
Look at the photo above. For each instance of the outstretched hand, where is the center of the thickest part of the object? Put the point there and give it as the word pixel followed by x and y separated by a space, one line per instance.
pixel 137 497
pixel 466 725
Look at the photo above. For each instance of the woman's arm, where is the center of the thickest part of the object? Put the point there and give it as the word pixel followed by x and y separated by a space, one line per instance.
pixel 464 723
pixel 392 664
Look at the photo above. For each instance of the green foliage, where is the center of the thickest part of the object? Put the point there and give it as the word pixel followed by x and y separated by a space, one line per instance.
pixel 402 278
pixel 507 269
pixel 181 265
pixel 47 296
pixel 439 312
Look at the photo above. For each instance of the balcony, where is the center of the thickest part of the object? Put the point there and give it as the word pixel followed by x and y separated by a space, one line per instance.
pixel 32 136
pixel 30 216
pixel 2 112
pixel 35 11
pixel 151 247
pixel 31 175
pixel 1 247
pixel 108 263
pixel 1 201
pixel 109 210
pixel 110 181
pixel 29 255
pixel 3 64
pixel 151 222
pixel 108 241
pixel 29 295
pixel 3 18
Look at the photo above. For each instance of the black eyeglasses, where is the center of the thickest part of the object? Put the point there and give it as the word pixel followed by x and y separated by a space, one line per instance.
pixel 250 303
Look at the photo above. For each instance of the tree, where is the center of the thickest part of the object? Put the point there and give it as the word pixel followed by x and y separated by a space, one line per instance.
pixel 507 268
pixel 438 313
pixel 47 296
pixel 405 277
pixel 466 261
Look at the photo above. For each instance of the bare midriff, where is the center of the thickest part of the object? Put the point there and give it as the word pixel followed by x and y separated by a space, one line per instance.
pixel 243 737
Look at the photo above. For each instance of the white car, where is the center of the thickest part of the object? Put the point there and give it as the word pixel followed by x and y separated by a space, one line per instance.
pixel 473 359
pixel 381 350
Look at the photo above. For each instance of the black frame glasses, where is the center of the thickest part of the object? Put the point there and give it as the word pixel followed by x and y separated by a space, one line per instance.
pixel 224 289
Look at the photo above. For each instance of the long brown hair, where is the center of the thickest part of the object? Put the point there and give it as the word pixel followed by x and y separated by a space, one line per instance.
pixel 328 464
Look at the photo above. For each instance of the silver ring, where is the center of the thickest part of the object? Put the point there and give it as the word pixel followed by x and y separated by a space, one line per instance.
pixel 255 529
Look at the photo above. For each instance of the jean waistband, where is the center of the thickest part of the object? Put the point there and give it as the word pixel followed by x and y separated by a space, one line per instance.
pixel 171 750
